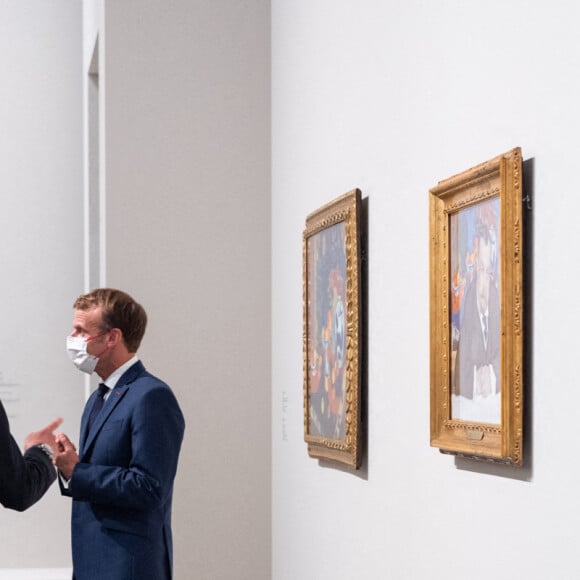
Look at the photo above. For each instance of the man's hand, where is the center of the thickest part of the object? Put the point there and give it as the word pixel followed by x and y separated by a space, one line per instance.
pixel 45 436
pixel 66 456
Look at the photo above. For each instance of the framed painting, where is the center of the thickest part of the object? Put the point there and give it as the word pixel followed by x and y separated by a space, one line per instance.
pixel 476 311
pixel 331 249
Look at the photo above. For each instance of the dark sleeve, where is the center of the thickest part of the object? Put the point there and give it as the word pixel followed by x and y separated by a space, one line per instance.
pixel 23 478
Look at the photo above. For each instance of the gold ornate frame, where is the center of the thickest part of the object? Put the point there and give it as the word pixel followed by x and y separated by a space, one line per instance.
pixel 499 178
pixel 331 250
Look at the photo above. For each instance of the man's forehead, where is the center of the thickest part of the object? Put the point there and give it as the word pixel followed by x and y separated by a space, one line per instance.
pixel 89 317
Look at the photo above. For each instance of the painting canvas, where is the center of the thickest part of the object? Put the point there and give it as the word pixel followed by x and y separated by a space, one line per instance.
pixel 327 326
pixel 475 255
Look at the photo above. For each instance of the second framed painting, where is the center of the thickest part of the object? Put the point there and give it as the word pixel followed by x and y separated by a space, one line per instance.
pixel 331 249
pixel 476 320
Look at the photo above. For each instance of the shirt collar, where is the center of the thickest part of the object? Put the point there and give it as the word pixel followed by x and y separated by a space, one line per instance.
pixel 117 374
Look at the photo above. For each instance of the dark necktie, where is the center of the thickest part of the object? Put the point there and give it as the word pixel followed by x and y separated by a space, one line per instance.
pixel 98 404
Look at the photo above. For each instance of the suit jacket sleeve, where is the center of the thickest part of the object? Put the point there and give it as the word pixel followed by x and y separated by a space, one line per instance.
pixel 156 433
pixel 23 478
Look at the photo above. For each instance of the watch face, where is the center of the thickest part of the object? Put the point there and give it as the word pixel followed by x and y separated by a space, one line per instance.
pixel 46 449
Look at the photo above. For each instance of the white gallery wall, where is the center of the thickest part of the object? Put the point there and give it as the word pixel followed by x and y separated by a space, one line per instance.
pixel 389 97
pixel 41 251
pixel 184 175
pixel 392 97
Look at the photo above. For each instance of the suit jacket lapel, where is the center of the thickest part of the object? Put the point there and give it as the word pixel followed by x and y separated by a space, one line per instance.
pixel 114 398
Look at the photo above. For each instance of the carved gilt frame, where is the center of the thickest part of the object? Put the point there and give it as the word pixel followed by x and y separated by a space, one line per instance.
pixel 331 250
pixel 476 253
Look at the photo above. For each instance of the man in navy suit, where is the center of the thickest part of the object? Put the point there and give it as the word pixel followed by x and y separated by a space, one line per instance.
pixel 121 479
pixel 24 479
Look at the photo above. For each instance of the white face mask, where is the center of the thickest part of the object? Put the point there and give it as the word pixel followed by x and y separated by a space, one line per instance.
pixel 76 347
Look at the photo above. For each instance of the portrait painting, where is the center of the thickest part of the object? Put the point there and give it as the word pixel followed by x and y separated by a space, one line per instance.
pixel 476 311
pixel 331 280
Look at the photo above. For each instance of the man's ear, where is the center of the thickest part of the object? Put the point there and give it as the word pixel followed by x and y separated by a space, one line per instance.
pixel 116 336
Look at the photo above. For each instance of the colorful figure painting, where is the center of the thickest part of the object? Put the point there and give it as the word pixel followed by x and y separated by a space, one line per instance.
pixel 475 313
pixel 327 332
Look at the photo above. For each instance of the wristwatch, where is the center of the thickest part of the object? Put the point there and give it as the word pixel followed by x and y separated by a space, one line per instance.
pixel 47 449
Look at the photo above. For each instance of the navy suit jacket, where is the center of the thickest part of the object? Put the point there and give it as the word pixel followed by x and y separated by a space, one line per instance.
pixel 23 478
pixel 122 487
